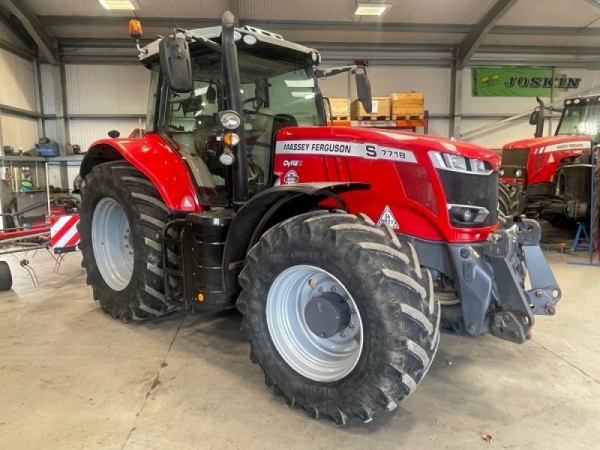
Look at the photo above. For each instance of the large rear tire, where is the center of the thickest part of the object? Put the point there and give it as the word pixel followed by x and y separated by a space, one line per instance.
pixel 121 219
pixel 508 199
pixel 370 362
pixel 6 280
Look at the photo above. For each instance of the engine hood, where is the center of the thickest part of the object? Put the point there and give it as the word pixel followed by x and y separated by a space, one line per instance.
pixel 572 142
pixel 395 139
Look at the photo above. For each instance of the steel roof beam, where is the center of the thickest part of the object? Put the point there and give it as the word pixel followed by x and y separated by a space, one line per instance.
pixel 473 40
pixel 15 27
pixel 42 38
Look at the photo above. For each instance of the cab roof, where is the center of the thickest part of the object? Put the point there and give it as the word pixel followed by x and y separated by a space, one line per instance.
pixel 265 43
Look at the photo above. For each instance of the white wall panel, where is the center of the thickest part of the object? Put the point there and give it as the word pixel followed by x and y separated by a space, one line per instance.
pixel 85 132
pixel 52 130
pixel 18 132
pixel 114 89
pixel 55 174
pixel 17 86
pixel 495 139
pixel 434 82
pixel 439 127
pixel 335 87
pixel 50 76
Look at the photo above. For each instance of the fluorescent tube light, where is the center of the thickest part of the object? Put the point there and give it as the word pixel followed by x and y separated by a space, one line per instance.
pixel 371 9
pixel 123 5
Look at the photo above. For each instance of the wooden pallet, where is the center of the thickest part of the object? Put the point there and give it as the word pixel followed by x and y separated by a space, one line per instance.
pixel 408 117
pixel 373 118
pixel 341 117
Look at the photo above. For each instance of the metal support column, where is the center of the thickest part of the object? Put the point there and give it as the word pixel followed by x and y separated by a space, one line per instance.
pixel 456 82
pixel 550 132
pixel 64 169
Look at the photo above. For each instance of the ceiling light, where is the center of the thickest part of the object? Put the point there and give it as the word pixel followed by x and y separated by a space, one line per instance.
pixel 128 5
pixel 371 9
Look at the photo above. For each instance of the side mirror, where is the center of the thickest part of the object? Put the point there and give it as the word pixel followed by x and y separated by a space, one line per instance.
pixel 363 89
pixel 533 119
pixel 176 63
pixel 113 134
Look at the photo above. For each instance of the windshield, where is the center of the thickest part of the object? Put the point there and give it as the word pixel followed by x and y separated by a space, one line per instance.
pixel 275 94
pixel 580 120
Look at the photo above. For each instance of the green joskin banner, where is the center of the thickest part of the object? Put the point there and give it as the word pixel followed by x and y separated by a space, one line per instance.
pixel 519 82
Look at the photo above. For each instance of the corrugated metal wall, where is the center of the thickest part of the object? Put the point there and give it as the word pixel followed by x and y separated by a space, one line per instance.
pixel 18 132
pixel 17 90
pixel 50 78
pixel 17 87
pixel 85 131
pixel 117 89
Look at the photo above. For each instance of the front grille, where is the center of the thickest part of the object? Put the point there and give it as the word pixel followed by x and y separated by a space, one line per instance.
pixel 577 182
pixel 515 157
pixel 475 190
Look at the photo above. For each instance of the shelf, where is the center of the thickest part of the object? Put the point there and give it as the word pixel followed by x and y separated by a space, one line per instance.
pixel 67 158
pixel 380 123
pixel 11 158
pixel 49 160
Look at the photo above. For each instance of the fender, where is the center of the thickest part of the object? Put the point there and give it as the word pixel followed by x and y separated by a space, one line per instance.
pixel 155 159
pixel 270 207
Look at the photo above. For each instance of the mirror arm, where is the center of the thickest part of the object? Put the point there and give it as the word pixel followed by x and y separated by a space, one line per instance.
pixel 335 71
pixel 207 42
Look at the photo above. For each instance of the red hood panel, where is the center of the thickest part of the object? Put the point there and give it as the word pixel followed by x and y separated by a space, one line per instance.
pixel 396 139
pixel 545 141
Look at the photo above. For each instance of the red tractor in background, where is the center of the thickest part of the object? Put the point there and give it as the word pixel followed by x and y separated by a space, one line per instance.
pixel 550 177
pixel 343 248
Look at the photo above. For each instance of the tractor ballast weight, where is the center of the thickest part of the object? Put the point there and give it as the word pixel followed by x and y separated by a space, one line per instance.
pixel 345 249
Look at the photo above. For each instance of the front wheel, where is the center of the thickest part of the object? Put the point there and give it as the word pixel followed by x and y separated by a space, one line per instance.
pixel 339 315
pixel 121 220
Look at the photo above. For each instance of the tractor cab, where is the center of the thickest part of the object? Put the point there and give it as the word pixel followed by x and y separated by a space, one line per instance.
pixel 279 89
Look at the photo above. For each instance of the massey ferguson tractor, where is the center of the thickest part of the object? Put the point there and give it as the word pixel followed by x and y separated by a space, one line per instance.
pixel 343 248
pixel 550 177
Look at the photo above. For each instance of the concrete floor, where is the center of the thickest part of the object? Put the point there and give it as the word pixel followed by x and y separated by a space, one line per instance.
pixel 73 378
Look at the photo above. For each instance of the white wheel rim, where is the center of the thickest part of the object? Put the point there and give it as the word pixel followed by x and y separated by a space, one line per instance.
pixel 111 240
pixel 319 359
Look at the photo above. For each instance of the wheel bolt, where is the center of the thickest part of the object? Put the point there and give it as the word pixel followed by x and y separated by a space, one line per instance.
pixel 352 311
pixel 351 325
pixel 343 334
pixel 321 290
pixel 346 297
pixel 332 288
pixel 323 335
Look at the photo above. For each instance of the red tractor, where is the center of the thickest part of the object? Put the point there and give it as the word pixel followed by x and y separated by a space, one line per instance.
pixel 343 248
pixel 551 176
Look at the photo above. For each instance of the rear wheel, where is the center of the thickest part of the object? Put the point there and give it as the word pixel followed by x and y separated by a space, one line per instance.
pixel 122 216
pixel 508 199
pixel 339 315
pixel 6 280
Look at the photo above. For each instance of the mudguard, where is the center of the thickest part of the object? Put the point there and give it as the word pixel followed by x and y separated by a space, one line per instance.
pixel 155 159
pixel 268 208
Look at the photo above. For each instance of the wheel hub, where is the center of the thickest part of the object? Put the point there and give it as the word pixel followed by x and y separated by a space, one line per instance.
pixel 305 302
pixel 327 314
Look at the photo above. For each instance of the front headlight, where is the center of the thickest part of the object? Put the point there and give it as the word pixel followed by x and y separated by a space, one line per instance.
pixel 455 162
pixel 230 119
pixel 458 163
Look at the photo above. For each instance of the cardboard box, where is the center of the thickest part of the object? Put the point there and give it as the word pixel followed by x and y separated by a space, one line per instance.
pixel 381 108
pixel 73 149
pixel 340 107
